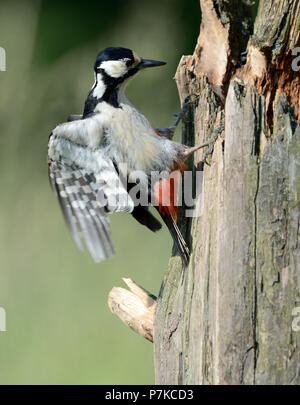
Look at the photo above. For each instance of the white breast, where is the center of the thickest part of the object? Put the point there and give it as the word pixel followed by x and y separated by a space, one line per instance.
pixel 123 135
pixel 130 137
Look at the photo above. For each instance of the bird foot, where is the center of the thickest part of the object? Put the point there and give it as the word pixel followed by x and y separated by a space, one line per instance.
pixel 211 143
pixel 169 132
pixel 186 103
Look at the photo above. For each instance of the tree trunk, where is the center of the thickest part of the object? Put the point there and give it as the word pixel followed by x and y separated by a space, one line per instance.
pixel 228 318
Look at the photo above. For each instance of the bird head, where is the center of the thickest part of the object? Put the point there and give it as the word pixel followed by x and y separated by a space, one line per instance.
pixel 115 65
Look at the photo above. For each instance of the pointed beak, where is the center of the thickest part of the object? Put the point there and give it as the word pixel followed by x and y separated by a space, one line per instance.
pixel 145 63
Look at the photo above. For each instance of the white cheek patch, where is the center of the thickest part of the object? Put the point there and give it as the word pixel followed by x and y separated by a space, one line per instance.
pixel 114 68
pixel 99 87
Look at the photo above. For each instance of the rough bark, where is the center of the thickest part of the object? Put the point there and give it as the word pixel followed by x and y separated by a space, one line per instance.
pixel 228 318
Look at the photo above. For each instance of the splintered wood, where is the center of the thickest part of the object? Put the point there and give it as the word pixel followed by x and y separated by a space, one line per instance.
pixel 135 307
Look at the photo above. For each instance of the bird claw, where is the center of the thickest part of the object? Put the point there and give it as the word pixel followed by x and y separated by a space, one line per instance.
pixel 169 131
pixel 211 143
pixel 186 103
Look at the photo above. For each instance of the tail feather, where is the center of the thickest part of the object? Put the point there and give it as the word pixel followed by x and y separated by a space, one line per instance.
pixel 178 239
pixel 165 197
pixel 144 217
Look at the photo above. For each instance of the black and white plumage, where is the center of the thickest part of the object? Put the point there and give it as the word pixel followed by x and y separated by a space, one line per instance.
pixel 85 154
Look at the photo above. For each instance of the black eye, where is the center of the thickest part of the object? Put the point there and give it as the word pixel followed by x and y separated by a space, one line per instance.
pixel 129 62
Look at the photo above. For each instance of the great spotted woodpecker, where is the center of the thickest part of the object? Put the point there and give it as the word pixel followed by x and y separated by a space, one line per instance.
pixel 86 153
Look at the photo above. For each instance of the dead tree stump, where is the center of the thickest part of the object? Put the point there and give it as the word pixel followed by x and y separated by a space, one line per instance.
pixel 228 318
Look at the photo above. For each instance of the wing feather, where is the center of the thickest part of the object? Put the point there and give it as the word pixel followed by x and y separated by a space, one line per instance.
pixel 68 212
pixel 88 186
pixel 83 214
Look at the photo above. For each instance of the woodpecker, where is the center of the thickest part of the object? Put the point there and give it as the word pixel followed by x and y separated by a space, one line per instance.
pixel 85 155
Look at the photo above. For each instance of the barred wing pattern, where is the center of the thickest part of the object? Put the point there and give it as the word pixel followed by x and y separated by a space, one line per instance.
pixel 86 191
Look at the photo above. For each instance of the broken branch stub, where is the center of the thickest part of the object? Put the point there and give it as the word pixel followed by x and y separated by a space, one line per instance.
pixel 135 307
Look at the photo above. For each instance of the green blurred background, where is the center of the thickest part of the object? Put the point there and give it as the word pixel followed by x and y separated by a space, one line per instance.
pixel 59 327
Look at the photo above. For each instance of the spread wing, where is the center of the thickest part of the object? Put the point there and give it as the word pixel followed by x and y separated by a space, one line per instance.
pixel 87 186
